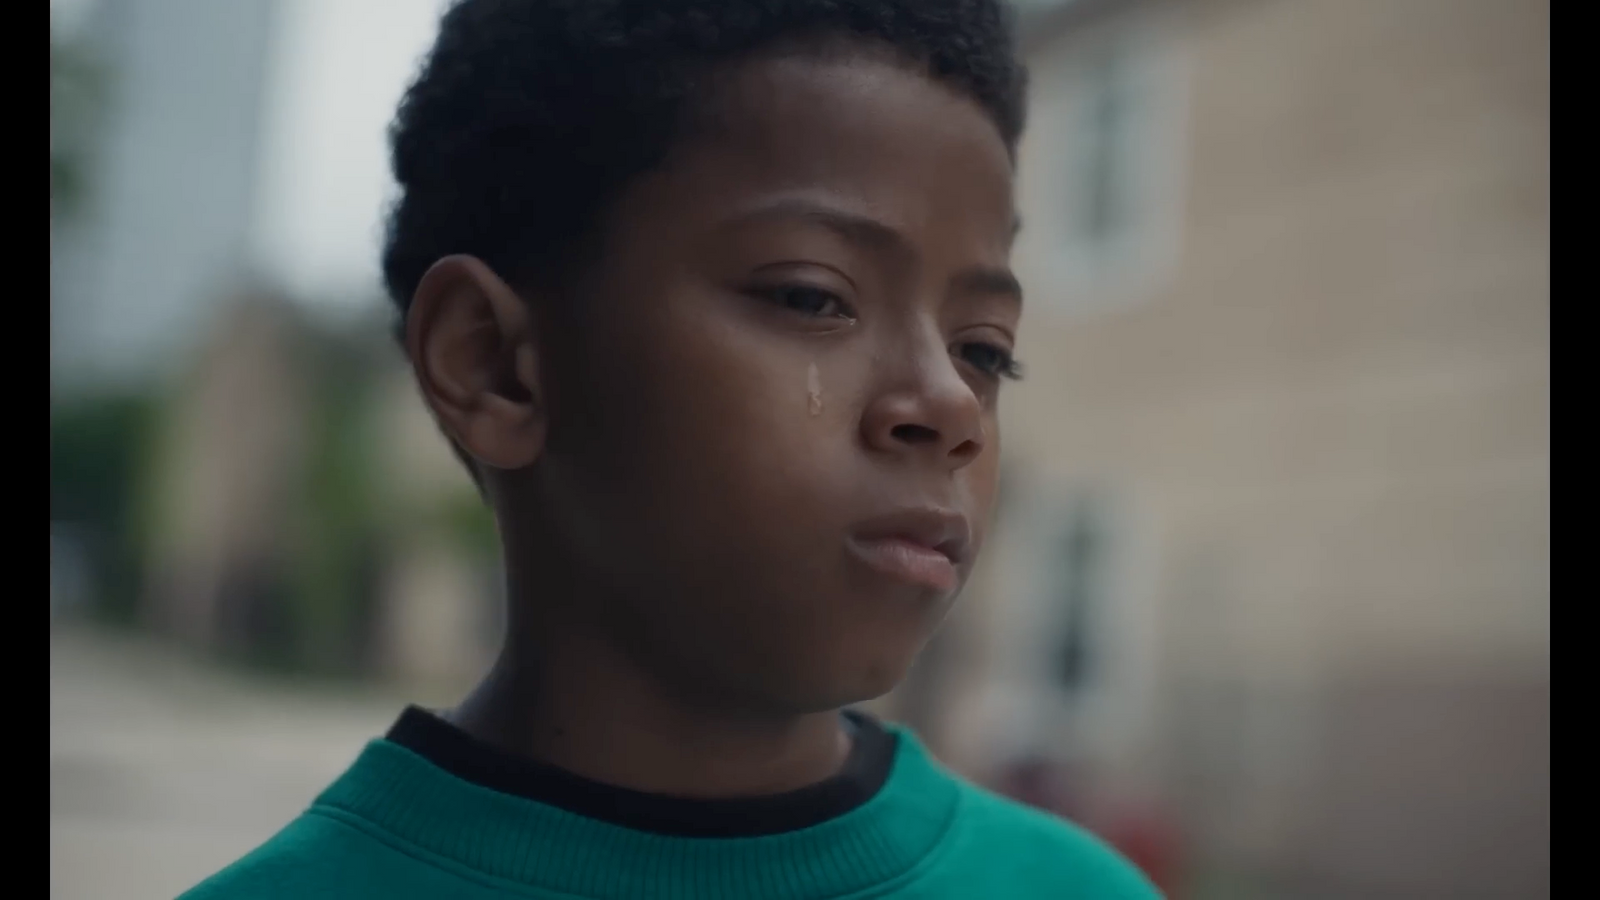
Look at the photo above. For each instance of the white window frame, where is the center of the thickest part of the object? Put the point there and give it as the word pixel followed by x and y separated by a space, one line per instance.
pixel 1106 717
pixel 1066 270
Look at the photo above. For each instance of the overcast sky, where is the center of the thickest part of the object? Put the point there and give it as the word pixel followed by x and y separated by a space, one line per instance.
pixel 338 68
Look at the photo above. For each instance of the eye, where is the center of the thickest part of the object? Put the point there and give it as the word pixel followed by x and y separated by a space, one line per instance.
pixel 812 302
pixel 990 359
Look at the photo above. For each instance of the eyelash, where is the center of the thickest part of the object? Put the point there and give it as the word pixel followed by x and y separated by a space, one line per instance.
pixel 784 293
pixel 1001 363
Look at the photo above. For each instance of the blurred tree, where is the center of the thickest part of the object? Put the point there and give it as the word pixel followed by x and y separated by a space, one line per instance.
pixel 77 95
pixel 97 453
pixel 465 520
pixel 338 535
pixel 342 533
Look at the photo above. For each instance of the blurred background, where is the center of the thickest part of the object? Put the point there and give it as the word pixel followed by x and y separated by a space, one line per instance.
pixel 1267 604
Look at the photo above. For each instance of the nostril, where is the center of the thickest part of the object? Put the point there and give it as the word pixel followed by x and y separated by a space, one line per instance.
pixel 914 434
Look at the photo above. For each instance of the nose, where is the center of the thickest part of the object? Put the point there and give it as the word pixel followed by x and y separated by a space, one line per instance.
pixel 929 413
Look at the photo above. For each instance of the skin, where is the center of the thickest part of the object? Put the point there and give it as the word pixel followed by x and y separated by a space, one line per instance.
pixel 793 329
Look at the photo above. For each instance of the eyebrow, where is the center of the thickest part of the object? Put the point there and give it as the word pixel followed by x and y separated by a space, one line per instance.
pixel 860 229
pixel 998 282
pixel 853 227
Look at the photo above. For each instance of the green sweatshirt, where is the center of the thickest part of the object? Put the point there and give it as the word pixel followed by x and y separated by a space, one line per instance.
pixel 398 826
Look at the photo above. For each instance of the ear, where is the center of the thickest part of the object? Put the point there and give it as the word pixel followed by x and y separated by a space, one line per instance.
pixel 473 347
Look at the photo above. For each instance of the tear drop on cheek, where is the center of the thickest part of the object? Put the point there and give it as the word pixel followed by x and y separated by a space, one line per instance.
pixel 814 390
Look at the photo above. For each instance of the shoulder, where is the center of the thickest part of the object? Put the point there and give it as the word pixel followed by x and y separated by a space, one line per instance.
pixel 296 862
pixel 315 856
pixel 1045 852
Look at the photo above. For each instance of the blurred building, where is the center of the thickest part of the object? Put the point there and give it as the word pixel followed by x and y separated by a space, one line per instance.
pixel 1275 540
pixel 258 545
pixel 225 478
pixel 233 144
pixel 233 178
pixel 171 183
pixel 442 594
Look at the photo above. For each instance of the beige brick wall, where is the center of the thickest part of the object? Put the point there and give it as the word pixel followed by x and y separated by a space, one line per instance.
pixel 1329 414
pixel 231 447
pixel 1343 384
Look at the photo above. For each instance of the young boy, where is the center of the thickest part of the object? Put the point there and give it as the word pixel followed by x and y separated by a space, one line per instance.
pixel 712 298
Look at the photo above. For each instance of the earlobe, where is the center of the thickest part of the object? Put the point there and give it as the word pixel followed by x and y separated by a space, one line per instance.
pixel 474 351
pixel 525 368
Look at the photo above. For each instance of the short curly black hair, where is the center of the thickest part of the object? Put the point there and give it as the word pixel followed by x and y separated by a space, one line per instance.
pixel 529 116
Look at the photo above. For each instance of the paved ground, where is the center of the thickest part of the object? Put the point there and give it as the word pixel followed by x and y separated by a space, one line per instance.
pixel 162 771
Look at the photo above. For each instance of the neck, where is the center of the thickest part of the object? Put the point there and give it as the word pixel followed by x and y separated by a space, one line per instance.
pixel 577 701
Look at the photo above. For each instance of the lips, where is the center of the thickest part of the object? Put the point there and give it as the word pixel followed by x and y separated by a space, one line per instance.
pixel 922 547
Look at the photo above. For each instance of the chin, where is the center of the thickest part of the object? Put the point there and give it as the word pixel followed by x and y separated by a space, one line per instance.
pixel 861 683
pixel 879 659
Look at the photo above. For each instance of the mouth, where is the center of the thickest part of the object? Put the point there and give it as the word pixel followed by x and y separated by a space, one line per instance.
pixel 922 547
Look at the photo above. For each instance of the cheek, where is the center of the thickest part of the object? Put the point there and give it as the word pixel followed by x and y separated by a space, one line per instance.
pixel 722 397
pixel 719 417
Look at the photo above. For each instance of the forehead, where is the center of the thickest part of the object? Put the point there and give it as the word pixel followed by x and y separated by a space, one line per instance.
pixel 867 130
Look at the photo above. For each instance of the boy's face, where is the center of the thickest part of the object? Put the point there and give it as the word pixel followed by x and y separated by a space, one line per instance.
pixel 772 434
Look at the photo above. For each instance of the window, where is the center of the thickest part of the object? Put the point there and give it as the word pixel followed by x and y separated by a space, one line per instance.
pixel 1069 581
pixel 1078 639
pixel 1102 206
pixel 1100 192
pixel 1077 586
